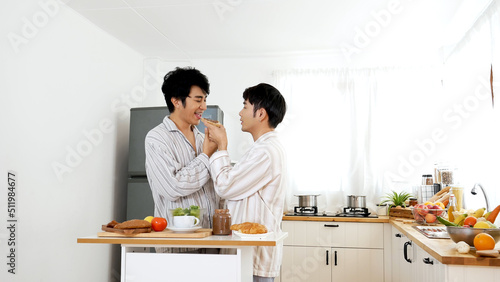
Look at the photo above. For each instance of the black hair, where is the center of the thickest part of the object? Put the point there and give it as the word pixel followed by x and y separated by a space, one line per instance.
pixel 266 96
pixel 178 83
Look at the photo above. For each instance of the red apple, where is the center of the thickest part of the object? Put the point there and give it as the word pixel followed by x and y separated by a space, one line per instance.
pixel 435 209
pixel 423 210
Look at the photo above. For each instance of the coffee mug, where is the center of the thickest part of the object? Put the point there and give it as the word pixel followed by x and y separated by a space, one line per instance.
pixel 185 221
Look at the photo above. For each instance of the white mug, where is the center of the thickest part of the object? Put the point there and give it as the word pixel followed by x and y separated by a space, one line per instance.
pixel 185 221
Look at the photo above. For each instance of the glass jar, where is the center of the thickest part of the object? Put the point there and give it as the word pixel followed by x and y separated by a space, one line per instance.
pixel 447 174
pixel 222 222
pixel 413 202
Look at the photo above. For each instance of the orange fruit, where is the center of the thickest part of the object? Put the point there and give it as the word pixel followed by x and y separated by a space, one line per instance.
pixel 484 241
pixel 440 205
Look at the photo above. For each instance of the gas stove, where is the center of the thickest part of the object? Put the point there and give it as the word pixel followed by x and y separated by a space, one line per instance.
pixel 347 212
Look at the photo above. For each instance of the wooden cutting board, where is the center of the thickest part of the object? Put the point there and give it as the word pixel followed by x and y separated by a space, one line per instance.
pixel 126 231
pixel 167 233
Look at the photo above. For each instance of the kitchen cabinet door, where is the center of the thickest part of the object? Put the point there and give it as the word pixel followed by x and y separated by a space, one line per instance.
pixel 306 264
pixel 428 268
pixel 318 234
pixel 401 268
pixel 349 264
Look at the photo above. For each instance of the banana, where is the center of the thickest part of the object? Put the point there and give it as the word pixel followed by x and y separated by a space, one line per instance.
pixel 486 214
pixel 479 212
pixel 459 220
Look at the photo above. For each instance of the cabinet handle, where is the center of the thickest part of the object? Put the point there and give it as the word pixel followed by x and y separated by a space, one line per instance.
pixel 331 225
pixel 398 235
pixel 428 261
pixel 335 257
pixel 327 257
pixel 406 251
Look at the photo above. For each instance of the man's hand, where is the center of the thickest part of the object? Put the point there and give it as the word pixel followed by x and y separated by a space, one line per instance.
pixel 209 146
pixel 217 135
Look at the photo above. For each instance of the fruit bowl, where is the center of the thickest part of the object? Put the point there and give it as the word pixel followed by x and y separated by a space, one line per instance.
pixel 424 215
pixel 467 234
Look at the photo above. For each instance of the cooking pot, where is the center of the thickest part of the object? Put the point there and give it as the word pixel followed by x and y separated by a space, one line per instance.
pixel 308 200
pixel 356 201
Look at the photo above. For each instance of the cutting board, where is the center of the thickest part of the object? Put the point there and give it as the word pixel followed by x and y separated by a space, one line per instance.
pixel 126 231
pixel 167 233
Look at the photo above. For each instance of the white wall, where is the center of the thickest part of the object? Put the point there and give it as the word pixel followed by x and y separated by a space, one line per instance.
pixel 58 91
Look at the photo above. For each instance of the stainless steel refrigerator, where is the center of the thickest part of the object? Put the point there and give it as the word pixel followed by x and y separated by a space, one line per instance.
pixel 139 198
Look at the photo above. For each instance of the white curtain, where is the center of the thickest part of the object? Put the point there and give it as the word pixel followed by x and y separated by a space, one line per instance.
pixel 345 128
pixel 467 73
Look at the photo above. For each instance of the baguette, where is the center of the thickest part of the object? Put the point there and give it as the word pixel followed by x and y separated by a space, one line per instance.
pixel 211 121
pixel 445 199
pixel 439 194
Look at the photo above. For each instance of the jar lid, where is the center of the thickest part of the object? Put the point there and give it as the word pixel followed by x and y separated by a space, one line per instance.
pixel 221 211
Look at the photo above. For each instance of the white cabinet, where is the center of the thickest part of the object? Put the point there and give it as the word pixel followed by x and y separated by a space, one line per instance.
pixel 333 251
pixel 427 268
pixel 400 264
pixel 412 263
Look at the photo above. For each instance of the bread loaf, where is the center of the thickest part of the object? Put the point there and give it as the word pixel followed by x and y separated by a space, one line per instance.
pixel 134 223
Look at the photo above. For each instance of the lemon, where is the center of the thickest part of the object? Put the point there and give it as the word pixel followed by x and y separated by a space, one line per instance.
pixel 482 224
pixel 149 218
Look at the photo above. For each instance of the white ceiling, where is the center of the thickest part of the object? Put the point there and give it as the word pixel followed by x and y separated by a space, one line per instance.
pixel 197 29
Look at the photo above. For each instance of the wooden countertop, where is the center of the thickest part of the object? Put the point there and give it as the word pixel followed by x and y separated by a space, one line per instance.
pixel 216 241
pixel 443 249
pixel 380 218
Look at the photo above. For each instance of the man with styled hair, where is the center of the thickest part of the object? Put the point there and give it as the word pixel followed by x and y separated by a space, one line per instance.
pixel 254 189
pixel 177 153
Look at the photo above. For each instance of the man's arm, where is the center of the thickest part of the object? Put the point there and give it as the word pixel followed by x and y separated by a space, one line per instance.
pixel 244 179
pixel 168 177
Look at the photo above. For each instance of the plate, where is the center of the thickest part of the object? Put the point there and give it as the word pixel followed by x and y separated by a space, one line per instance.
pixel 252 236
pixel 184 229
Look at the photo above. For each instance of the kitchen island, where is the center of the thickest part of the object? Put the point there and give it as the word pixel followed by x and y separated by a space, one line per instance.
pixel 137 260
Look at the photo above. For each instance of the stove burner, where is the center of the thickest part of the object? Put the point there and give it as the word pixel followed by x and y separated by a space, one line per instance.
pixel 355 212
pixel 305 210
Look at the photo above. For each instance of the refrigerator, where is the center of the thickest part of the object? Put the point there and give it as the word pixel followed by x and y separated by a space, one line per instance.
pixel 139 198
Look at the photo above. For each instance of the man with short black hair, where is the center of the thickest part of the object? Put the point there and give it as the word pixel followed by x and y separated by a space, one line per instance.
pixel 254 189
pixel 177 153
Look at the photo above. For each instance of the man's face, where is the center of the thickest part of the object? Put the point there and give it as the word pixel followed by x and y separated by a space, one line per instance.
pixel 196 104
pixel 247 118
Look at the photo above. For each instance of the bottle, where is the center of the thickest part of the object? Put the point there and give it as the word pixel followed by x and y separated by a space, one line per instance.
pixel 451 208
